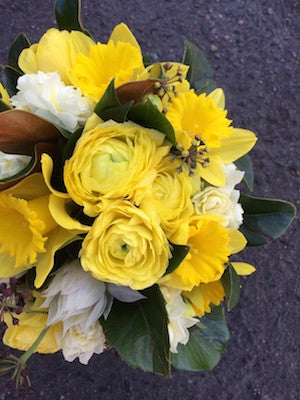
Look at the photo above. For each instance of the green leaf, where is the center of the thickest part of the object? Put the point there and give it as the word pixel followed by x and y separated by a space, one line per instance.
pixel 10 78
pixel 20 43
pixel 231 284
pixel 265 219
pixel 146 114
pixel 179 253
pixel 67 13
pixel 205 85
pixel 245 164
pixel 109 106
pixel 3 106
pixel 138 332
pixel 70 145
pixel 203 350
pixel 199 66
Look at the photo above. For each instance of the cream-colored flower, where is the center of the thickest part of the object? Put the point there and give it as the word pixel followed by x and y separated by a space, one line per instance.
pixel 112 161
pixel 179 322
pixel 11 164
pixel 125 246
pixel 222 201
pixel 46 96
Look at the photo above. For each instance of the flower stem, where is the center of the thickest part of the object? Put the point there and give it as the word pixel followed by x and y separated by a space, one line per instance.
pixel 33 347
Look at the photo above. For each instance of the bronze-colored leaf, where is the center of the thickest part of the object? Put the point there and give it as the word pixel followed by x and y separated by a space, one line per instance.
pixel 20 131
pixel 136 90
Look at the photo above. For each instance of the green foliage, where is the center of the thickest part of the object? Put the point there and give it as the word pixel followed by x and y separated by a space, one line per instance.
pixel 245 164
pixel 179 253
pixel 199 73
pixel 203 350
pixel 265 219
pixel 20 43
pixel 231 284
pixel 9 78
pixel 138 332
pixel 3 106
pixel 67 13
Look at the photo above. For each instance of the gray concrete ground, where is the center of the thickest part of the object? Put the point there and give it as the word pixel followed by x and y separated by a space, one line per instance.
pixel 252 48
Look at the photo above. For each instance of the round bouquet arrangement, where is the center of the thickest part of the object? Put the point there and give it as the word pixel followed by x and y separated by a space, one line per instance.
pixel 119 217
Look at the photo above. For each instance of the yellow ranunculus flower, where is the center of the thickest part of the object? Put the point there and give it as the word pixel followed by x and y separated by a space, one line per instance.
pixel 125 246
pixel 30 326
pixel 55 52
pixel 112 161
pixel 171 199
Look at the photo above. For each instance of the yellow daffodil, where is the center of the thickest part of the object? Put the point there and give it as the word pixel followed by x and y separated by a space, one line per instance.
pixel 55 52
pixel 120 58
pixel 210 244
pixel 203 117
pixel 29 232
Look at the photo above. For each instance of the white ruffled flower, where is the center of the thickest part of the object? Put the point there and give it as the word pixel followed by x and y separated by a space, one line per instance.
pixel 179 322
pixel 11 164
pixel 78 300
pixel 46 96
pixel 222 201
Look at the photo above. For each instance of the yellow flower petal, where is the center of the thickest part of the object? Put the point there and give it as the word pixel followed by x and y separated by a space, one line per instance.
pixel 213 173
pixel 121 33
pixel 56 239
pixel 237 240
pixel 239 143
pixel 218 97
pixel 204 295
pixel 29 188
pixel 28 61
pixel 47 169
pixel 5 96
pixel 7 267
pixel 242 268
pixel 57 207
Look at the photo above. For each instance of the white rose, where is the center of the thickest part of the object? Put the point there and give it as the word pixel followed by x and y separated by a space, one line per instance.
pixel 11 164
pixel 222 201
pixel 46 96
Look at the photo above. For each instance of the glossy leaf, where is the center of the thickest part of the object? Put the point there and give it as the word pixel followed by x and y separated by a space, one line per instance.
pixel 203 350
pixel 205 85
pixel 199 66
pixel 245 164
pixel 3 106
pixel 179 253
pixel 20 43
pixel 265 219
pixel 67 13
pixel 10 78
pixel 231 284
pixel 138 332
pixel 146 114
pixel 70 145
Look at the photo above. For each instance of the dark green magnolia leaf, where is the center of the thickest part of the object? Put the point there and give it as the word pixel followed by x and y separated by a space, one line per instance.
pixel 199 66
pixel 3 106
pixel 109 106
pixel 146 114
pixel 147 59
pixel 67 13
pixel 231 284
pixel 70 145
pixel 179 253
pixel 265 219
pixel 138 332
pixel 10 78
pixel 206 85
pixel 203 350
pixel 21 42
pixel 245 164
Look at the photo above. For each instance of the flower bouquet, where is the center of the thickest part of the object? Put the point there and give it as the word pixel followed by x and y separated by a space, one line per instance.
pixel 119 218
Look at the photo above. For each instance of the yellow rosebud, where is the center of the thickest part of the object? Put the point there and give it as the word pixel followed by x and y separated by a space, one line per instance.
pixel 125 246
pixel 56 52
pixel 112 161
